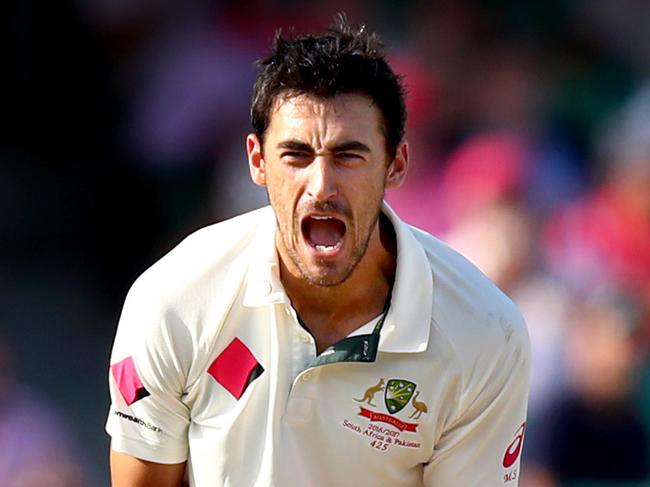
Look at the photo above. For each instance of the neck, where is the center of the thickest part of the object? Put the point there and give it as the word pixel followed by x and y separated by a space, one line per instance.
pixel 357 300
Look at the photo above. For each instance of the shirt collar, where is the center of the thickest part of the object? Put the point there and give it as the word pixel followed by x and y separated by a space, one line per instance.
pixel 262 283
pixel 407 324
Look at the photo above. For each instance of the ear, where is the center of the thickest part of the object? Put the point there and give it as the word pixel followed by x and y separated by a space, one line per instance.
pixel 398 167
pixel 256 164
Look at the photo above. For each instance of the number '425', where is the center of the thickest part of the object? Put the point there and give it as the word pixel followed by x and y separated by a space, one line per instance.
pixel 379 445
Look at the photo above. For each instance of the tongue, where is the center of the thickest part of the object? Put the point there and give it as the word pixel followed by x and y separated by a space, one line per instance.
pixel 325 232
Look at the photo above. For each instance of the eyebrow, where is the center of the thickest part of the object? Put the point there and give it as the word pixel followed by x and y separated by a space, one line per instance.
pixel 293 144
pixel 348 145
pixel 353 145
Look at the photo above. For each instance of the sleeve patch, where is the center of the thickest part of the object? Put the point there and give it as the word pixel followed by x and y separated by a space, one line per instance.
pixel 236 368
pixel 128 381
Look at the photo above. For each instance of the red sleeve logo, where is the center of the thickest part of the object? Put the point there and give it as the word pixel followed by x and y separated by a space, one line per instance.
pixel 514 448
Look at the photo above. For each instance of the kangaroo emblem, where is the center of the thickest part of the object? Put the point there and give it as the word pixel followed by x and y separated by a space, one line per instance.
pixel 370 393
pixel 419 406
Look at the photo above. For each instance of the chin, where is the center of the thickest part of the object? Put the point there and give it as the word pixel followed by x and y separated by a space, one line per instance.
pixel 319 281
pixel 329 278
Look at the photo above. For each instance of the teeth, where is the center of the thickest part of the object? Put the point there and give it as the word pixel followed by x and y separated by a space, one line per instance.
pixel 319 217
pixel 324 248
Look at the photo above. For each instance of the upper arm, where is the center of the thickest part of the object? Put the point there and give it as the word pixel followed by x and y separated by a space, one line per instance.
pixel 149 418
pixel 128 471
pixel 482 446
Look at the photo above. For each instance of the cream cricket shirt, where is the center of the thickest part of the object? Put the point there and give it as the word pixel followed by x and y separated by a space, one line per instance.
pixel 211 365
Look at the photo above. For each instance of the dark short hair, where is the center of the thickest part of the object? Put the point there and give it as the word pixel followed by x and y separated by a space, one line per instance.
pixel 343 60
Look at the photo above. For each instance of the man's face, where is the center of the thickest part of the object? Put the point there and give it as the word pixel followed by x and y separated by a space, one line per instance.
pixel 324 165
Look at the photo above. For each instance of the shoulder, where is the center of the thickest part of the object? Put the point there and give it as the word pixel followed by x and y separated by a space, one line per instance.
pixel 196 275
pixel 477 321
pixel 203 253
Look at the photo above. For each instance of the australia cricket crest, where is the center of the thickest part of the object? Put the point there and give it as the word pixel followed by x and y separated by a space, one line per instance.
pixel 385 425
pixel 397 394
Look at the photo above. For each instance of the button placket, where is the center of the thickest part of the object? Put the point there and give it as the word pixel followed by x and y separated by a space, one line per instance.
pixel 303 396
pixel 305 384
pixel 303 348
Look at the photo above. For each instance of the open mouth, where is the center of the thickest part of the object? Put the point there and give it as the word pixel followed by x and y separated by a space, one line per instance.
pixel 324 233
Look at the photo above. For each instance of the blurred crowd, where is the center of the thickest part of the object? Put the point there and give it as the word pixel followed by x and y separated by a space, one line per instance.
pixel 529 126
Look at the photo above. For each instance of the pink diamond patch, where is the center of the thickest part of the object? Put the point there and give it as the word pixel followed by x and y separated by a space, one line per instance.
pixel 235 368
pixel 128 381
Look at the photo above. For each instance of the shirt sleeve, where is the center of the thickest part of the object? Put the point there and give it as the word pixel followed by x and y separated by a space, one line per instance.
pixel 148 418
pixel 482 445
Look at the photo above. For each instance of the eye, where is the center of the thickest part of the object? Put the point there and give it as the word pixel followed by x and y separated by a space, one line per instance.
pixel 295 154
pixel 295 158
pixel 350 157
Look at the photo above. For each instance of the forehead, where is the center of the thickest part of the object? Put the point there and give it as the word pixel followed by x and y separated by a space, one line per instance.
pixel 345 115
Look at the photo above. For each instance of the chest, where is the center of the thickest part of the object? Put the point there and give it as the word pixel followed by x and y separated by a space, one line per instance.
pixel 293 416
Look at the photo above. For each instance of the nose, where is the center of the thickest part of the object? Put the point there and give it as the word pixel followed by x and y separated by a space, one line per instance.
pixel 321 183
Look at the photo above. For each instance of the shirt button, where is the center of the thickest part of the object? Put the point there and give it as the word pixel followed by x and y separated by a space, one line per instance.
pixel 306 376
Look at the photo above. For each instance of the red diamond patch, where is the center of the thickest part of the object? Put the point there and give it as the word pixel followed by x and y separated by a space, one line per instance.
pixel 128 381
pixel 235 368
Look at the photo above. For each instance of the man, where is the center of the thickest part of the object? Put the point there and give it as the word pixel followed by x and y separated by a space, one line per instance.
pixel 319 341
